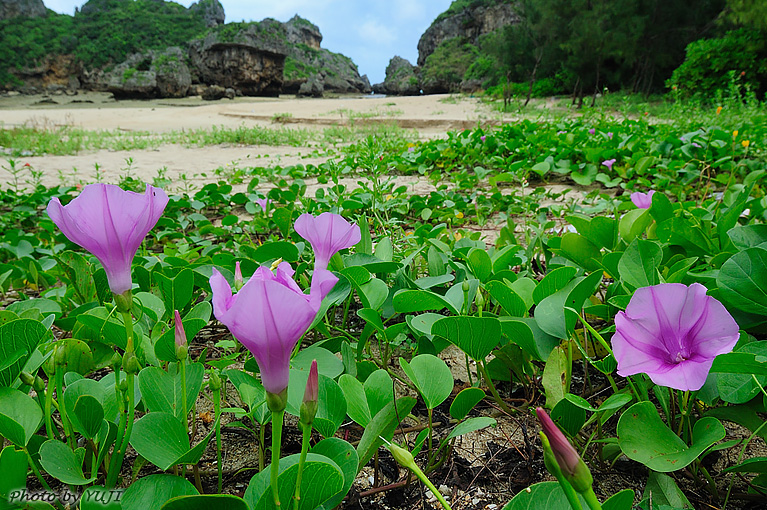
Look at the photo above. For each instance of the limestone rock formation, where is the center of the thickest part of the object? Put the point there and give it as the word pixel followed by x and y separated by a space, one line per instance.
pixel 468 23
pixel 22 9
pixel 152 74
pixel 401 79
pixel 211 11
pixel 250 60
pixel 308 62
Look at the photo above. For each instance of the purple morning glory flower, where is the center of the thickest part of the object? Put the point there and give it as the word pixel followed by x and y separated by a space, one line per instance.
pixel 642 200
pixel 269 315
pixel 110 223
pixel 262 202
pixel 483 138
pixel 610 135
pixel 695 144
pixel 672 333
pixel 411 149
pixel 327 233
pixel 592 131
pixel 561 132
pixel 609 163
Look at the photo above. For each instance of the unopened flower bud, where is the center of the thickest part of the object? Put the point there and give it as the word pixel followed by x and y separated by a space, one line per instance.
pixel 27 378
pixel 311 396
pixel 130 363
pixel 180 333
pixel 403 457
pixel 60 358
pixel 116 362
pixel 277 402
pixel 570 463
pixel 238 281
pixel 124 301
pixel 215 381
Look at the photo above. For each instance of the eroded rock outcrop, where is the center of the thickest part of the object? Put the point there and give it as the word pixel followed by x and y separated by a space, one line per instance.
pixel 250 59
pixel 401 79
pixel 469 24
pixel 22 9
pixel 152 74
pixel 211 11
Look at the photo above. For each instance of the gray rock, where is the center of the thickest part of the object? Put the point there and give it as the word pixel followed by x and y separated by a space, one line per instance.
pixel 469 23
pixel 312 87
pixel 22 9
pixel 211 11
pixel 301 31
pixel 250 60
pixel 401 79
pixel 213 92
pixel 149 75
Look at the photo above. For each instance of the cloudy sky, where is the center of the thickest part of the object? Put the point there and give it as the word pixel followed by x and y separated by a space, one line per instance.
pixel 369 32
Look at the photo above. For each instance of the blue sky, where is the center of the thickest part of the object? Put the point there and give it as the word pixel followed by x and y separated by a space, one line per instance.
pixel 370 32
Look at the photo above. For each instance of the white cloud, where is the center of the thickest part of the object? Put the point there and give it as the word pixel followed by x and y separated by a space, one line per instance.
pixel 374 32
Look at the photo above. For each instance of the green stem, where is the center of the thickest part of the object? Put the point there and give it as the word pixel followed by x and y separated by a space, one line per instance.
pixel 493 391
pixel 217 409
pixel 261 446
pixel 415 469
pixel 431 436
pixel 40 477
pixel 307 434
pixel 113 467
pixel 62 406
pixel 182 371
pixel 48 410
pixel 122 442
pixel 591 499
pixel 277 417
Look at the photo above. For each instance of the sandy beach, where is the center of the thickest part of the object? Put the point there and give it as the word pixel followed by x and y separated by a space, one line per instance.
pixel 425 117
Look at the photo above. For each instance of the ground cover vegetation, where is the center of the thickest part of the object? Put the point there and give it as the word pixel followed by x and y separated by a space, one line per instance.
pixel 633 318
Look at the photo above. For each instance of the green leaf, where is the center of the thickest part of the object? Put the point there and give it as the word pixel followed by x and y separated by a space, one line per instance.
pixel 322 479
pixel 754 465
pixel 740 362
pixel 581 251
pixel 553 282
pixel 407 301
pixel 748 236
pixel 79 273
pixel 555 380
pixel 18 339
pixel 163 392
pixel 431 377
pixel 13 466
pixel 206 502
pixel 177 291
pixel 476 336
pixel 98 497
pixel 465 401
pixel 542 496
pixel 151 492
pixel 356 401
pixel 623 500
pixel 634 223
pixel 742 281
pixel 662 490
pixel 345 457
pixel 640 262
pixel 61 463
pixel 509 300
pixel 163 440
pixel 740 388
pixel 44 306
pixel 328 363
pixel 643 437
pixel 471 425
pixel 20 416
pixel 382 426
pixel 480 264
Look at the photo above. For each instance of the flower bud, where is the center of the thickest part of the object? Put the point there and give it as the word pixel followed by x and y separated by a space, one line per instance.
pixel 26 378
pixel 60 358
pixel 214 381
pixel 403 457
pixel 238 281
pixel 311 396
pixel 277 402
pixel 116 362
pixel 124 301
pixel 572 466
pixel 180 333
pixel 130 363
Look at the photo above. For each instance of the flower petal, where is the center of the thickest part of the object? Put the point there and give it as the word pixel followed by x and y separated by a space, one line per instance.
pixel 327 233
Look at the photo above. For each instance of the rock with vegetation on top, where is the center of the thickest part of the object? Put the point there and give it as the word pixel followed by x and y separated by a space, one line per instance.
pixel 248 57
pixel 211 11
pixel 152 74
pixel 401 79
pixel 22 9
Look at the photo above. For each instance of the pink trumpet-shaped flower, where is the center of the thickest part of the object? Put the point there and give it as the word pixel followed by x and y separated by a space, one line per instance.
pixel 642 200
pixel 111 224
pixel 327 233
pixel 262 202
pixel 269 315
pixel 609 163
pixel 592 131
pixel 672 333
pixel 312 391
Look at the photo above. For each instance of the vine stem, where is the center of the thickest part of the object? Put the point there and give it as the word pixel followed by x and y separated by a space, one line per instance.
pixel 307 434
pixel 277 417
pixel 493 391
